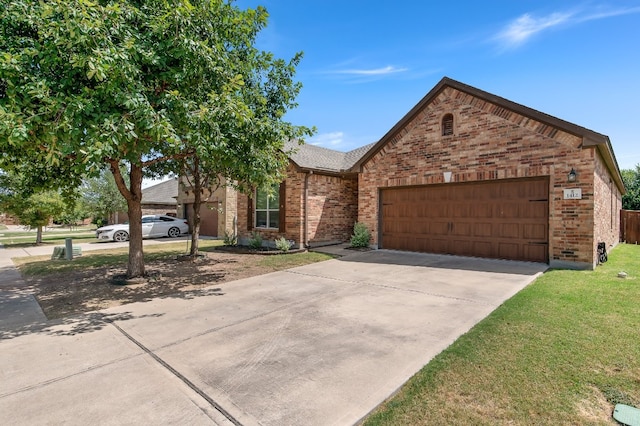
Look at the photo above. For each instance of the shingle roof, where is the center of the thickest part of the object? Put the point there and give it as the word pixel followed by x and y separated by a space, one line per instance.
pixel 324 159
pixel 161 193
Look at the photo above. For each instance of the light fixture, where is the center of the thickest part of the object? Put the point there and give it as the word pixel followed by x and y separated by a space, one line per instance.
pixel 573 175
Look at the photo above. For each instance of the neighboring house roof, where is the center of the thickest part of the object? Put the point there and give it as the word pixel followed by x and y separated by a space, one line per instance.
pixel 312 157
pixel 161 193
pixel 589 137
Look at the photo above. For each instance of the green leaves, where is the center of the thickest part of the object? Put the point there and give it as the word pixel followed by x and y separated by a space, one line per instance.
pixel 631 179
pixel 149 84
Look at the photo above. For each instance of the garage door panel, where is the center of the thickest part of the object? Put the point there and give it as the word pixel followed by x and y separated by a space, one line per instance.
pixel 483 210
pixel 437 245
pixel 503 219
pixel 509 230
pixel 460 229
pixel 533 231
pixel 536 252
pixel 509 210
pixel 482 249
pixel 508 250
pixel 461 247
pixel 461 210
pixel 535 210
pixel 484 229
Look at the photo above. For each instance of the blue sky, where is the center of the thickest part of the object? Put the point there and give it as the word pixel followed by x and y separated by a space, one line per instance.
pixel 367 63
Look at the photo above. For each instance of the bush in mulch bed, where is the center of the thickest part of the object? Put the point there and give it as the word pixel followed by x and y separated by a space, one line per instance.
pixel 261 250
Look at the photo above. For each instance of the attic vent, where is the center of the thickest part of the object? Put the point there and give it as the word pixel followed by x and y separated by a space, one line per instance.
pixel 447 125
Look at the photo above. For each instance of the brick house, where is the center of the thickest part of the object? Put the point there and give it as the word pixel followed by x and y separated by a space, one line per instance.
pixel 216 214
pixel 156 199
pixel 317 204
pixel 467 172
pixel 464 172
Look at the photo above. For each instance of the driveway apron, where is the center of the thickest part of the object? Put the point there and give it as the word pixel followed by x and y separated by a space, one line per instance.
pixel 314 345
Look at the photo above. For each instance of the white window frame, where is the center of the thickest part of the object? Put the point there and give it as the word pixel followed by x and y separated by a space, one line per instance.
pixel 273 205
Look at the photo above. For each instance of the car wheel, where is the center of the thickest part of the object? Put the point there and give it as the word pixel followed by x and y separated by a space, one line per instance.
pixel 120 236
pixel 174 232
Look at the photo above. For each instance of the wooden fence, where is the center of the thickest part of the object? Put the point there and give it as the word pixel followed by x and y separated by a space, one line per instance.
pixel 630 226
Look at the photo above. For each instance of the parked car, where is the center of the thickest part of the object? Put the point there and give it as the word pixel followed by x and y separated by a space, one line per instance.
pixel 153 226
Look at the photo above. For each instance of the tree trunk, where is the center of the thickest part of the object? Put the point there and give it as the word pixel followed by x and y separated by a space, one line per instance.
pixel 197 201
pixel 135 266
pixel 195 232
pixel 133 195
pixel 39 235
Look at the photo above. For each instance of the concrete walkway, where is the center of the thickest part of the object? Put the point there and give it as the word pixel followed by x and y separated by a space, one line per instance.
pixel 321 344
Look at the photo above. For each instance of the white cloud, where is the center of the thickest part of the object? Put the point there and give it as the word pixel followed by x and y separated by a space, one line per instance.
pixel 526 26
pixel 327 139
pixel 372 72
pixel 608 14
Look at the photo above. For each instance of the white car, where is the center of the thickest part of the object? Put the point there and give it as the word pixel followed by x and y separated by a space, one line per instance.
pixel 153 226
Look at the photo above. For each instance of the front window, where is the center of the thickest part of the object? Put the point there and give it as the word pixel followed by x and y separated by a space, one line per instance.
pixel 267 208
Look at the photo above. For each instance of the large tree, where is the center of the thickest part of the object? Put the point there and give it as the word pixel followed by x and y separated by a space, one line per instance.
pixel 631 179
pixel 142 83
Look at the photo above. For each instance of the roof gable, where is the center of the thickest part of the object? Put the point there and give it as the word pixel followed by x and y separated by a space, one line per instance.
pixel 161 193
pixel 503 106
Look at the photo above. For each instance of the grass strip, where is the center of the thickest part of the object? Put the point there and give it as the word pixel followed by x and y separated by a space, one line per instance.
pixel 562 351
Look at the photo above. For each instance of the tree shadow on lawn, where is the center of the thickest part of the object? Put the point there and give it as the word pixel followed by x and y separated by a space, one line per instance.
pixel 91 289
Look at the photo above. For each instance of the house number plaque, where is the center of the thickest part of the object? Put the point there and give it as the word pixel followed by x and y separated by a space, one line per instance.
pixel 573 194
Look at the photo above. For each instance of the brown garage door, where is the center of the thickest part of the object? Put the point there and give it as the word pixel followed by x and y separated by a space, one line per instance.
pixel 208 219
pixel 499 219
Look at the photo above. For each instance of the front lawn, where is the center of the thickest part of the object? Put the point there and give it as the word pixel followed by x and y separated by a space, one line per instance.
pixel 564 350
pixel 50 236
pixel 96 280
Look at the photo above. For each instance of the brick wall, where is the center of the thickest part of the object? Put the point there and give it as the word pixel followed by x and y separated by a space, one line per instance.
pixel 489 142
pixel 607 206
pixel 293 213
pixel 332 209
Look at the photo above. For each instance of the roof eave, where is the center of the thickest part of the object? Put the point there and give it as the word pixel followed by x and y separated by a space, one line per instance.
pixel 604 147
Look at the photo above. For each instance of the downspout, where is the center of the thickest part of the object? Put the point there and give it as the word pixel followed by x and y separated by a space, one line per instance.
pixel 306 208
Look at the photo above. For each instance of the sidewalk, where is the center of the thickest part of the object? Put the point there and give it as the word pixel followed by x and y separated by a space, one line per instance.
pixel 18 305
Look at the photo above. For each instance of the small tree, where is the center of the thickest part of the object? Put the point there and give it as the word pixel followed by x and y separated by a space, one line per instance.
pixel 361 235
pixel 72 215
pixel 631 179
pixel 32 207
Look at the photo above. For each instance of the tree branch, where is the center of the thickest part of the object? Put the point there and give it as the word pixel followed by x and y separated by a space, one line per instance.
pixel 179 156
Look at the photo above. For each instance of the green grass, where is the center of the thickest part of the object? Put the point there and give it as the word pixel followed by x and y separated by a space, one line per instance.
pixel 291 260
pixel 41 265
pixel 564 350
pixel 16 239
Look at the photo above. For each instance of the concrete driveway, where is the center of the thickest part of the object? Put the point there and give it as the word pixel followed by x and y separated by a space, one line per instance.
pixel 321 344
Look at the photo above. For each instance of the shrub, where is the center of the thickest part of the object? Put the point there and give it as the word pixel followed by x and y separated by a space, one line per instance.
pixel 361 235
pixel 255 242
pixel 230 239
pixel 283 244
